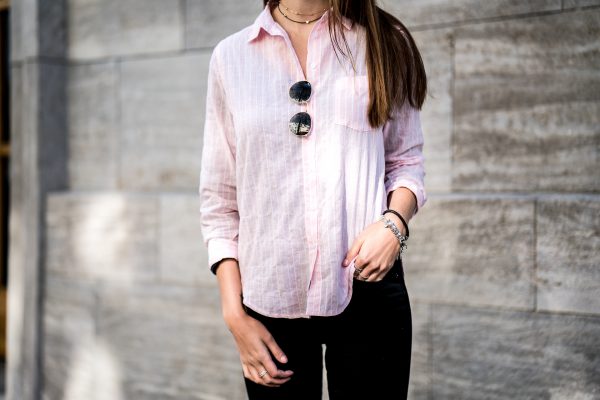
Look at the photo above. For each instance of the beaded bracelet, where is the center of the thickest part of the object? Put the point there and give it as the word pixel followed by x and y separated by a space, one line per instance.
pixel 401 238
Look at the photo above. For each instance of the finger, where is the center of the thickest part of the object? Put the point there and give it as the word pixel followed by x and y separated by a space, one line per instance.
pixel 364 278
pixel 255 373
pixel 275 349
pixel 358 274
pixel 352 252
pixel 266 362
pixel 372 278
pixel 270 379
pixel 361 268
pixel 379 273
pixel 369 274
pixel 279 355
pixel 246 372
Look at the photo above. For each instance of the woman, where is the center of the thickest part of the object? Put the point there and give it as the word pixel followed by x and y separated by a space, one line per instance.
pixel 312 167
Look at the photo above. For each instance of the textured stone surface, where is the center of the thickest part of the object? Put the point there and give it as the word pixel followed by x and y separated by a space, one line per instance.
pixel 23 28
pixel 436 115
pixel 472 250
pixel 51 103
pixel 103 235
pixel 130 310
pixel 163 104
pixel 38 158
pixel 31 36
pixel 23 339
pixel 115 340
pixel 527 104
pixel 169 342
pixel 420 369
pixel 568 245
pixel 93 126
pixel 429 12
pixel 108 28
pixel 183 256
pixel 580 3
pixel 52 28
pixel 492 354
pixel 208 21
pixel 69 336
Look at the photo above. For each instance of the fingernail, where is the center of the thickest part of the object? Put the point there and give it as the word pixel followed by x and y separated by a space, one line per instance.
pixel 284 359
pixel 345 262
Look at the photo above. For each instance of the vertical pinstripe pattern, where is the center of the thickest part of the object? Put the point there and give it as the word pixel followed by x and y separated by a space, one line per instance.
pixel 288 208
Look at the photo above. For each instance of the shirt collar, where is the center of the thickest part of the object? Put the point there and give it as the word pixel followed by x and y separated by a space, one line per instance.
pixel 265 21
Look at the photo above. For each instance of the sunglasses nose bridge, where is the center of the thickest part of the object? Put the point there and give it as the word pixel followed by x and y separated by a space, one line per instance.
pixel 301 123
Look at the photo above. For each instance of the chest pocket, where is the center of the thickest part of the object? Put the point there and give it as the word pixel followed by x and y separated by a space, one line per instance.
pixel 351 100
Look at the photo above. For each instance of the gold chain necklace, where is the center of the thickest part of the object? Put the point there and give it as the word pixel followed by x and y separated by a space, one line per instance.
pixel 293 20
pixel 298 13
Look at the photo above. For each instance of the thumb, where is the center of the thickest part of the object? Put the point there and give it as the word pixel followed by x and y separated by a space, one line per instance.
pixel 352 252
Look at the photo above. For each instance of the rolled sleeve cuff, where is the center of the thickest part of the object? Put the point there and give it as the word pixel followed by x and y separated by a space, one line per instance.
pixel 219 249
pixel 412 185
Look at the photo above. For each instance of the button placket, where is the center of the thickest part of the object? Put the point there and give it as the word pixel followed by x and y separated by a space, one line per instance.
pixel 309 158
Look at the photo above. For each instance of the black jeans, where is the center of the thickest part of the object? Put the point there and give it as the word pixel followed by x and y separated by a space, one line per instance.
pixel 367 346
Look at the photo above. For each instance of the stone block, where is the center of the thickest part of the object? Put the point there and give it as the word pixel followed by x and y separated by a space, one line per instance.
pixel 111 28
pixel 163 105
pixel 432 12
pixel 93 126
pixel 472 250
pixel 436 116
pixel 568 254
pixel 32 36
pixel 579 3
pixel 494 354
pixel 52 26
pixel 170 342
pixel 104 236
pixel 419 387
pixel 527 104
pixel 183 255
pixel 208 21
pixel 69 322
pixel 23 40
pixel 118 340
pixel 51 124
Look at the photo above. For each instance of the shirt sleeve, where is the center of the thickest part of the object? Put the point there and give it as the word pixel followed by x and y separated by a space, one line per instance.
pixel 404 160
pixel 217 187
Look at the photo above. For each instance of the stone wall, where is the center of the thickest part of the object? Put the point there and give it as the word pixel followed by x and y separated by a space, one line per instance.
pixel 503 264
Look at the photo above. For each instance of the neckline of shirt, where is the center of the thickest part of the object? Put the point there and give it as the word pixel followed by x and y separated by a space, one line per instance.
pixel 265 21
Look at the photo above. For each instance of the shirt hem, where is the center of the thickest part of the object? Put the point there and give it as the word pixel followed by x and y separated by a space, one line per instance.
pixel 300 315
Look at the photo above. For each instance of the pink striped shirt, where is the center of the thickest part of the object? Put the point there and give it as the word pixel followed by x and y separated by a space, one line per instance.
pixel 288 208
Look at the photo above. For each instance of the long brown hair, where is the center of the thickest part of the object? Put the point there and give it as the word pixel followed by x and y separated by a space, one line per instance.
pixel 395 68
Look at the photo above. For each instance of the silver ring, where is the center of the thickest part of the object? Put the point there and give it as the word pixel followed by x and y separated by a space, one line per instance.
pixel 263 373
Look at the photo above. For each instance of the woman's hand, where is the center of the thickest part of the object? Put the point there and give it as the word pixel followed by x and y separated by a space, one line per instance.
pixel 375 250
pixel 254 342
pixel 257 347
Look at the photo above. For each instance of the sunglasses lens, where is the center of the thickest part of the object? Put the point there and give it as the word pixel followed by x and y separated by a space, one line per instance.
pixel 300 124
pixel 300 91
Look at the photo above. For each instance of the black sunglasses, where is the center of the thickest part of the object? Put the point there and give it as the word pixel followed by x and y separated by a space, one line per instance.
pixel 300 124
